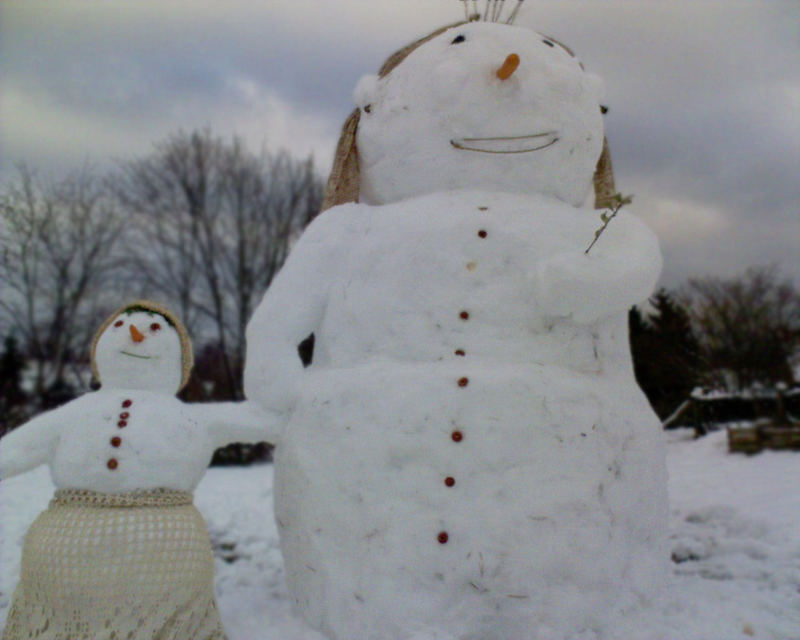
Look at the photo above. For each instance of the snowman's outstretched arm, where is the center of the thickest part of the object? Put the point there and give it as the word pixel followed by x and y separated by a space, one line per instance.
pixel 228 422
pixel 621 270
pixel 292 308
pixel 30 444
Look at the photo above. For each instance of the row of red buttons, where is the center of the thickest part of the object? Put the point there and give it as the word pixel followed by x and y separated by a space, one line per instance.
pixel 457 436
pixel 449 482
pixel 116 441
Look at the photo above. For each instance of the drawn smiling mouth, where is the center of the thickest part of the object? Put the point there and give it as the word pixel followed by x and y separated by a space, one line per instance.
pixel 507 144
pixel 135 355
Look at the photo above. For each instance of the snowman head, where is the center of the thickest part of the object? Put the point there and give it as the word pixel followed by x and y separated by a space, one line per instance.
pixel 142 346
pixel 478 105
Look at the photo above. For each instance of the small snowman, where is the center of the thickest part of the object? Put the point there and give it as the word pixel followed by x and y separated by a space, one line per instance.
pixel 121 551
pixel 468 454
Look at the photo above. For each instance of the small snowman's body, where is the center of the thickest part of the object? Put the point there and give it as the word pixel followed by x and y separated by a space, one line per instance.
pixel 469 453
pixel 121 549
pixel 119 440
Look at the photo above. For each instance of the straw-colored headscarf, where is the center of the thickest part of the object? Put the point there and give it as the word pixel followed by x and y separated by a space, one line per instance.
pixel 187 353
pixel 344 183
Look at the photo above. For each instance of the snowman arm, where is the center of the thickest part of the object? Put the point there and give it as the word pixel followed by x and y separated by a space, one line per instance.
pixel 246 421
pixel 620 271
pixel 30 444
pixel 292 309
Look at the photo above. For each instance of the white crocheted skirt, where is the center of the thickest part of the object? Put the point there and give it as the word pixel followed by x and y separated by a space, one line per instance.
pixel 116 567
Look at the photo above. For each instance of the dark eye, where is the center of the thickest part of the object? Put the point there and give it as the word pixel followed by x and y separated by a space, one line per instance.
pixel 368 108
pixel 603 109
pixel 548 43
pixel 155 327
pixel 458 39
pixel 118 323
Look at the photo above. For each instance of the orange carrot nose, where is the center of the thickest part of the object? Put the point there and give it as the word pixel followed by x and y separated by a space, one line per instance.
pixel 136 334
pixel 509 67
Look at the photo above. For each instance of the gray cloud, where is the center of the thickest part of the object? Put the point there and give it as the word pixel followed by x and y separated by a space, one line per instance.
pixel 704 126
pixel 704 96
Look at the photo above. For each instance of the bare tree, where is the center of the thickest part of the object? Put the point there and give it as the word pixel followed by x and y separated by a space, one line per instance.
pixel 57 255
pixel 212 223
pixel 748 327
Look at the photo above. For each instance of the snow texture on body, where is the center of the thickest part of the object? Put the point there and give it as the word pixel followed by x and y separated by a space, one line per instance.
pixel 469 454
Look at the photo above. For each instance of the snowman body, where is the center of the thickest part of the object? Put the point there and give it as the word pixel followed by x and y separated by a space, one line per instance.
pixel 154 439
pixel 133 434
pixel 468 453
pixel 121 551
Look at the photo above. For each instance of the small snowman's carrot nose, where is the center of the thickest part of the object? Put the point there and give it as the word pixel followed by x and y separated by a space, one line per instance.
pixel 509 67
pixel 136 334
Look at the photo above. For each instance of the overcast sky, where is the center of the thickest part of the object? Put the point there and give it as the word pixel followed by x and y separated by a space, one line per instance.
pixel 704 124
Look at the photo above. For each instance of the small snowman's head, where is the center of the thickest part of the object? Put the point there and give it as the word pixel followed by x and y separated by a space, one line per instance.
pixel 480 105
pixel 142 346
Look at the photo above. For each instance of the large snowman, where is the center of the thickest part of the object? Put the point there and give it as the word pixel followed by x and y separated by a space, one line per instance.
pixel 468 455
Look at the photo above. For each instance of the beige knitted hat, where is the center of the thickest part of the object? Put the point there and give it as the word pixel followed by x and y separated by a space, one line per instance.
pixel 344 181
pixel 187 353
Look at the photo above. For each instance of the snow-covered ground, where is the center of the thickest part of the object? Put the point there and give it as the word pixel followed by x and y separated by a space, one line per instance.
pixel 735 538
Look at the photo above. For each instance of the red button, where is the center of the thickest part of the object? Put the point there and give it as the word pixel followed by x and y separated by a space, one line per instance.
pixel 460 352
pixel 124 415
pixel 122 423
pixel 443 537
pixel 115 441
pixel 457 436
pixel 112 464
pixel 482 233
pixel 464 315
pixel 126 403
pixel 449 482
pixel 463 382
